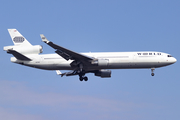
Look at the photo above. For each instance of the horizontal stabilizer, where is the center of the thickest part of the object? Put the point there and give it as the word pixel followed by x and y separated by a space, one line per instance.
pixel 18 55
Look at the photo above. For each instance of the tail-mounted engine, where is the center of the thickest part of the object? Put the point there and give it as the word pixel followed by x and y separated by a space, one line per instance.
pixel 36 49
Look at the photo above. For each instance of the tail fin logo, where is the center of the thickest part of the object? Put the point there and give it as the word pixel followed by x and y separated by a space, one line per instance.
pixel 18 39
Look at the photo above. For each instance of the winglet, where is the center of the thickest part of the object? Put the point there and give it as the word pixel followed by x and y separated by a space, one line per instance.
pixel 44 39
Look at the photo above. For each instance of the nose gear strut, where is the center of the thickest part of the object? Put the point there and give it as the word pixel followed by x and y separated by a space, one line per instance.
pixel 152 71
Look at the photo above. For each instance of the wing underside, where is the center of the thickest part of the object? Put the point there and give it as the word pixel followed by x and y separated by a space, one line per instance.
pixel 66 53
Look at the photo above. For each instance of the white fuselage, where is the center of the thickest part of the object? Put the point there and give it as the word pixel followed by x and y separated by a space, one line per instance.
pixel 107 60
pixel 81 63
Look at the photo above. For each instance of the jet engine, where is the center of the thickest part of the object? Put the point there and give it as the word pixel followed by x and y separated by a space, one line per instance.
pixel 36 49
pixel 103 73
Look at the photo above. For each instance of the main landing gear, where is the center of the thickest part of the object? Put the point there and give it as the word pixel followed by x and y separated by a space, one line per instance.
pixel 152 71
pixel 82 73
pixel 83 77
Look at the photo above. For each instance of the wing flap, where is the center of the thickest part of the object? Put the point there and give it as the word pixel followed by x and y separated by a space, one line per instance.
pixel 63 54
pixel 71 73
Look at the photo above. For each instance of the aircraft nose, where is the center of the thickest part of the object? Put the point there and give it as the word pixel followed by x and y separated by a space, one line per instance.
pixel 174 60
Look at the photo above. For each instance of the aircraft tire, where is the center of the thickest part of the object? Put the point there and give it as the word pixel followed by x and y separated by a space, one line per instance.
pixel 152 74
pixel 81 78
pixel 85 78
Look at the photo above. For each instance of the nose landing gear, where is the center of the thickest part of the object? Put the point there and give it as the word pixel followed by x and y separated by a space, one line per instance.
pixel 152 71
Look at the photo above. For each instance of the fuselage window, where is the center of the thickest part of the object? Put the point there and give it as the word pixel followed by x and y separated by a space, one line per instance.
pixel 158 53
pixel 139 53
pixel 150 53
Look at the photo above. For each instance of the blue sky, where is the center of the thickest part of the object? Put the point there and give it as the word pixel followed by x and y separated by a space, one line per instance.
pixel 96 26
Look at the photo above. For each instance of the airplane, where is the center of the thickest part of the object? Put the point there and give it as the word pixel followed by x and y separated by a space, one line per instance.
pixel 98 63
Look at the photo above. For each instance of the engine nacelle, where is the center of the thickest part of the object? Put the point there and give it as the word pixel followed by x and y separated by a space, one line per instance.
pixel 36 49
pixel 103 73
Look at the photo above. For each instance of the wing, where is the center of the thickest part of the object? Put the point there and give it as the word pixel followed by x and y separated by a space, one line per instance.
pixel 67 54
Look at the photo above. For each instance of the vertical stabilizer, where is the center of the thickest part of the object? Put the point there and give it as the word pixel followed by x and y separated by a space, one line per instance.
pixel 17 38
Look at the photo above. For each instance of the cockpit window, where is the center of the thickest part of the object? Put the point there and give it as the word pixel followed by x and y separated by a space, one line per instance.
pixel 169 55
